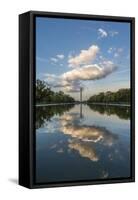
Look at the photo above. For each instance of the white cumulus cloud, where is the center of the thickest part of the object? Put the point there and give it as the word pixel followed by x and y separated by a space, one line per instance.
pixel 55 60
pixel 60 56
pixel 72 80
pixel 84 69
pixel 85 56
pixel 90 72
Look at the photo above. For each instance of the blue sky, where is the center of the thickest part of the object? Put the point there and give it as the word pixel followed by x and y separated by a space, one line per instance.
pixel 71 53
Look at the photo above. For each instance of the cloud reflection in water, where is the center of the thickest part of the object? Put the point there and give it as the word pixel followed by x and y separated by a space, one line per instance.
pixel 84 150
pixel 86 133
pixel 84 136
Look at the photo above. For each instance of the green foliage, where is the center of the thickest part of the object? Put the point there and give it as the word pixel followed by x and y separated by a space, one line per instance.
pixel 44 94
pixel 123 112
pixel 45 113
pixel 121 96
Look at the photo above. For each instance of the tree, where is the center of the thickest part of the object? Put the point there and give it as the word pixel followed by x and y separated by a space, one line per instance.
pixel 121 96
pixel 44 94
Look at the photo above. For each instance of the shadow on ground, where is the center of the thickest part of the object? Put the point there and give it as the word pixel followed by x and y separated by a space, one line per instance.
pixel 13 180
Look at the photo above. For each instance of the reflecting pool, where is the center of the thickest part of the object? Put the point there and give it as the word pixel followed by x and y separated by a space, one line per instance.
pixel 82 142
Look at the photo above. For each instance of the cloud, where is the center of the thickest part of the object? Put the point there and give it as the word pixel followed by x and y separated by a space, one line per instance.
pixel 118 52
pixel 60 56
pixel 55 60
pixel 84 150
pixel 85 133
pixel 70 119
pixel 71 54
pixel 60 150
pixel 68 86
pixel 102 33
pixel 110 50
pixel 113 33
pixel 90 134
pixel 58 82
pixel 85 56
pixel 62 83
pixel 51 79
pixel 73 87
pixel 93 72
pixel 116 55
pixel 41 59
pixel 90 72
pixel 72 80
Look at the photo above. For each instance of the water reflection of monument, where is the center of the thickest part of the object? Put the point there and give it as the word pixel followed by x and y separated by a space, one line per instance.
pixel 81 102
pixel 81 116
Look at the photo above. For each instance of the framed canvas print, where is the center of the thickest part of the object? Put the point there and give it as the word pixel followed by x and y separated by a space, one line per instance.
pixel 76 99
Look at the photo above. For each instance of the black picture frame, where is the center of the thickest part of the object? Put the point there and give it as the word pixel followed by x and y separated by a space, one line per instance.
pixel 27 97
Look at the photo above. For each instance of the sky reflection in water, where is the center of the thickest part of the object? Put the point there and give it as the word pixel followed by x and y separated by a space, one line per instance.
pixel 82 142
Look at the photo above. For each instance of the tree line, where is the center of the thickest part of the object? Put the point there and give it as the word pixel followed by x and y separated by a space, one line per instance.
pixel 121 96
pixel 123 112
pixel 44 94
pixel 45 113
